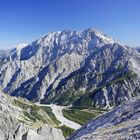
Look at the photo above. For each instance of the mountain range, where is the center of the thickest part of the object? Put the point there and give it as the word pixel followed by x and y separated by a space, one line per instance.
pixel 80 68
pixel 88 73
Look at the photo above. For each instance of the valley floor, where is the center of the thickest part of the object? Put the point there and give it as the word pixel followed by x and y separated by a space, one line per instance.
pixel 57 110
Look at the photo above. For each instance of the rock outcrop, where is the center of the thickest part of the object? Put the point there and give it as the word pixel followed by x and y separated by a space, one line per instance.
pixel 119 124
pixel 14 127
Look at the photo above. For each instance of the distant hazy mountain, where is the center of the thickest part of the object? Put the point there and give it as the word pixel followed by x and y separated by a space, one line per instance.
pixel 2 53
pixel 118 124
pixel 84 68
pixel 138 48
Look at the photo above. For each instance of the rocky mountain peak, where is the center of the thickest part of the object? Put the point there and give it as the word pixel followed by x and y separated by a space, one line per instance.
pixel 73 63
pixel 72 36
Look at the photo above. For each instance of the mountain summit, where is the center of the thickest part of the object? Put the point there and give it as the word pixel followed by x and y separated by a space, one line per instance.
pixel 83 68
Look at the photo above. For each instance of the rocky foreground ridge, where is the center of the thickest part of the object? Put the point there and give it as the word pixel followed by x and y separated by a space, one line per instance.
pixel 15 124
pixel 119 124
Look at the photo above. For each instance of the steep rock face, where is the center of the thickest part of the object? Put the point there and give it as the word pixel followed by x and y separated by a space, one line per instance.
pixel 32 70
pixel 109 76
pixel 11 127
pixel 70 67
pixel 3 54
pixel 118 124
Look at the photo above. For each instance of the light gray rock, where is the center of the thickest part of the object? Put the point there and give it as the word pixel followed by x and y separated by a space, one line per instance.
pixel 119 124
pixel 46 132
pixel 12 129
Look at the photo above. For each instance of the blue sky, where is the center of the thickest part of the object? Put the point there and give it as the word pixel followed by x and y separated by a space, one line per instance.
pixel 26 20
